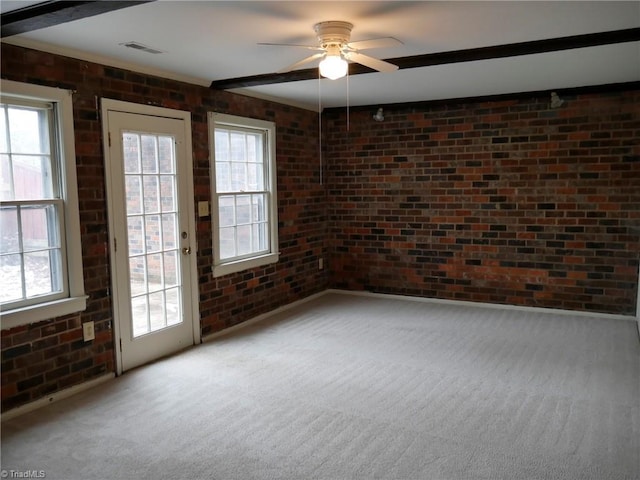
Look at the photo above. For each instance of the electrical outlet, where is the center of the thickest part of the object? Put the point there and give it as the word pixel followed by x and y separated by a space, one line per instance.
pixel 88 331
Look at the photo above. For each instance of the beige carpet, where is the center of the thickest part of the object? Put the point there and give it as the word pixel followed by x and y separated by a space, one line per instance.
pixel 351 387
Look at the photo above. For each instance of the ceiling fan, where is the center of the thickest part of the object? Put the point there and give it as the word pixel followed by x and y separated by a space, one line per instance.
pixel 335 49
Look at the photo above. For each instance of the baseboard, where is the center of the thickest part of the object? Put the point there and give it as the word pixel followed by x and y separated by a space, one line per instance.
pixel 55 397
pixel 259 318
pixel 521 308
pixel 554 311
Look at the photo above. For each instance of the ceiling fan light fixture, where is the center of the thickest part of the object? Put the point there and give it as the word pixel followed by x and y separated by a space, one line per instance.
pixel 333 67
pixel 337 50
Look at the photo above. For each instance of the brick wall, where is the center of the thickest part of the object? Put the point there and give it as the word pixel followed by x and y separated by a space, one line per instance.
pixel 45 357
pixel 508 202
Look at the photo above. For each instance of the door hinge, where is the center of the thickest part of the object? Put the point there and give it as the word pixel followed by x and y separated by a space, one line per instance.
pixel 109 135
pixel 115 244
pixel 120 345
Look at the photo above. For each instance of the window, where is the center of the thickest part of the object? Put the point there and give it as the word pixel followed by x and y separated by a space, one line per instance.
pixel 40 254
pixel 244 198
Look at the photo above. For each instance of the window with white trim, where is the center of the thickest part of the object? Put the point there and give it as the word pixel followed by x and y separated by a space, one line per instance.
pixel 40 254
pixel 244 200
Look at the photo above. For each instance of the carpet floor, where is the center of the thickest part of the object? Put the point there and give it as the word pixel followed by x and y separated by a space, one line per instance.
pixel 356 387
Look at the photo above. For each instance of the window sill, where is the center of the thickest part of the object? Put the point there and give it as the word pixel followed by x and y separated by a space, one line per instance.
pixel 240 265
pixel 43 311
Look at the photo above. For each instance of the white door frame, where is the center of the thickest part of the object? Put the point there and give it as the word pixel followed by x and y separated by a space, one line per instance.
pixel 135 108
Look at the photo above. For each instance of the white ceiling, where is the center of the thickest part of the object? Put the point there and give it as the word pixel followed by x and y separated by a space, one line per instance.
pixel 212 40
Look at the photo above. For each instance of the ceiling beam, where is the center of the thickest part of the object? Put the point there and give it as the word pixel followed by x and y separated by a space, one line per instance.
pixel 442 58
pixel 562 92
pixel 55 12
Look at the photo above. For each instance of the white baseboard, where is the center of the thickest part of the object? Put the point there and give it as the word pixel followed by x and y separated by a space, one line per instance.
pixel 259 318
pixel 55 397
pixel 554 311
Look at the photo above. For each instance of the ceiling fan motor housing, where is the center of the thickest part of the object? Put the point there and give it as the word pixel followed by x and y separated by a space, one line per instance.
pixel 333 33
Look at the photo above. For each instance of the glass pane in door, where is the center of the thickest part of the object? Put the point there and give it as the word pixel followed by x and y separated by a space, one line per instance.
pixel 152 229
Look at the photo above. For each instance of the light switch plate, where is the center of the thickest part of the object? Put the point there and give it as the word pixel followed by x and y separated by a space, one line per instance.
pixel 203 209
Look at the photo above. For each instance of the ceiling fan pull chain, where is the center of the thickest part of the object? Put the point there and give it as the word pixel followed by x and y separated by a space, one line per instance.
pixel 347 100
pixel 320 123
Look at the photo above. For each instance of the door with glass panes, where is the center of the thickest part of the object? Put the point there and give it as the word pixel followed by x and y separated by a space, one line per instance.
pixel 151 238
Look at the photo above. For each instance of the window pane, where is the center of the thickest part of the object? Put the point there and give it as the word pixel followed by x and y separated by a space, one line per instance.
pixel 131 152
pixel 28 130
pixel 222 146
pixel 167 192
pixel 243 209
pixel 171 269
pixel 223 176
pixel 260 243
pixel 238 147
pixel 227 242
pixel 157 313
pixel 138 275
pixel 149 154
pixel 39 227
pixel 38 273
pixel 6 178
pixel 152 233
pixel 244 239
pixel 9 236
pixel 4 134
pixel 140 315
pixel 239 177
pixel 11 278
pixel 258 208
pixel 254 148
pixel 135 232
pixel 226 208
pixel 169 231
pixel 155 279
pixel 166 154
pixel 255 176
pixel 151 194
pixel 133 187
pixel 173 306
pixel 32 177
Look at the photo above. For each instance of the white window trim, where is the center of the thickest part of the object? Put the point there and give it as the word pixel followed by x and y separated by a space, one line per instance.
pixel 221 268
pixel 77 300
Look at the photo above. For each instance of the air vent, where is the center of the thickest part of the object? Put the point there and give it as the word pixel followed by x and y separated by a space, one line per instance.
pixel 139 46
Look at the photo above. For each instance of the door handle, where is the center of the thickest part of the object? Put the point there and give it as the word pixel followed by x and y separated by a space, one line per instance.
pixel 186 251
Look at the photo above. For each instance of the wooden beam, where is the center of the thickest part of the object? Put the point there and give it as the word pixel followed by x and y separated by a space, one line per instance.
pixel 55 12
pixel 442 58
pixel 562 92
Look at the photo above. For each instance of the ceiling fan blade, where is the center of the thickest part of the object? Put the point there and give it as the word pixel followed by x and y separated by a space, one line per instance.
pixel 310 47
pixel 383 42
pixel 301 62
pixel 367 61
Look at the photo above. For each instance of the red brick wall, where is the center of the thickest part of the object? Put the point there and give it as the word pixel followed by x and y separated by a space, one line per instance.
pixel 505 202
pixel 508 202
pixel 43 358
